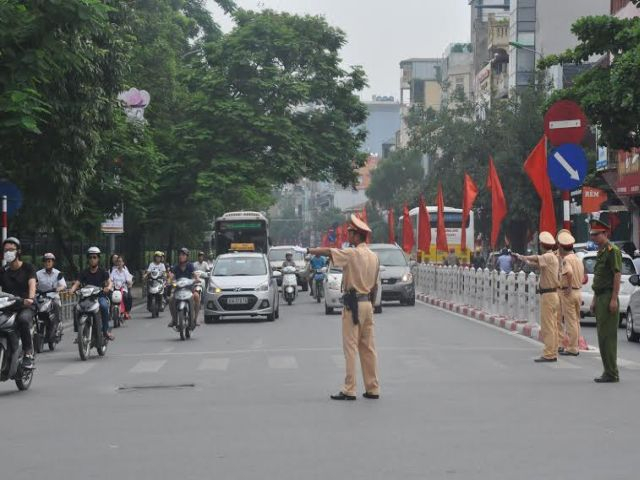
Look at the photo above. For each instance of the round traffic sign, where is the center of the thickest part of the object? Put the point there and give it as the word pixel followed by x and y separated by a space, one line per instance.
pixel 565 122
pixel 567 166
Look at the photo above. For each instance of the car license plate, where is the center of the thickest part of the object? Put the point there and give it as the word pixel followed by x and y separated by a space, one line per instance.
pixel 237 300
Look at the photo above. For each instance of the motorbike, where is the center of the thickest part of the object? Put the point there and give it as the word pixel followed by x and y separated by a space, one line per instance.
pixel 185 316
pixel 155 293
pixel 318 279
pixel 46 319
pixel 289 284
pixel 117 309
pixel 89 322
pixel 10 345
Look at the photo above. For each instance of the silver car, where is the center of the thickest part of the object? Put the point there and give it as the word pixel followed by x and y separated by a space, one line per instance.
pixel 242 285
pixel 333 291
pixel 397 279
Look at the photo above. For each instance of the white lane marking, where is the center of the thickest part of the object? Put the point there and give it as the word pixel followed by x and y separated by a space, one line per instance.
pixel 563 365
pixel 282 362
pixel 219 364
pixel 338 360
pixel 75 369
pixel 257 344
pixel 416 361
pixel 148 366
pixel 168 350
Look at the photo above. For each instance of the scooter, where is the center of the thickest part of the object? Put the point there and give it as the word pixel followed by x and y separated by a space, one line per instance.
pixel 10 345
pixel 185 316
pixel 48 327
pixel 89 322
pixel 155 293
pixel 117 310
pixel 318 280
pixel 289 284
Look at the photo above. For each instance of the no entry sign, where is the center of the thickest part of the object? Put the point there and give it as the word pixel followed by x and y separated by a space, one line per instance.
pixel 565 122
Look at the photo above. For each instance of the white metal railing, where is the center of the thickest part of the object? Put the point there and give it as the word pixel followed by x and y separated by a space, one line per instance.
pixel 511 295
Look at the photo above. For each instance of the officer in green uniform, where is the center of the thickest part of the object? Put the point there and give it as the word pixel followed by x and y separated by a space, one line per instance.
pixel 606 286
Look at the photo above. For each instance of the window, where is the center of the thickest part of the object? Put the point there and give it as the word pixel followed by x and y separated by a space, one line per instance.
pixel 239 267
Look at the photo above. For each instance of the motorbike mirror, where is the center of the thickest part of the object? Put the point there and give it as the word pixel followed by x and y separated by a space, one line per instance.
pixel 277 273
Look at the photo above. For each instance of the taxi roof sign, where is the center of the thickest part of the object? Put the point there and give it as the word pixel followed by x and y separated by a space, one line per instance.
pixel 242 247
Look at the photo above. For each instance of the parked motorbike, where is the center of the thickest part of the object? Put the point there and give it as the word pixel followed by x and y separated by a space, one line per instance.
pixel 89 322
pixel 156 284
pixel 318 279
pixel 10 345
pixel 185 315
pixel 117 310
pixel 289 284
pixel 48 327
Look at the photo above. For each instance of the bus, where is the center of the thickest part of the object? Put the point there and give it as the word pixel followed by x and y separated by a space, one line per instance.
pixel 241 231
pixel 453 226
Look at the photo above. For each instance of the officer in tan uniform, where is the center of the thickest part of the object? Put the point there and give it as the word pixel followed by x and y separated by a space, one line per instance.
pixel 548 289
pixel 571 276
pixel 562 331
pixel 360 267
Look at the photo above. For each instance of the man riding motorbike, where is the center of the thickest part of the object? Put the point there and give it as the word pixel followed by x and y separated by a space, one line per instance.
pixel 202 264
pixel 317 262
pixel 183 269
pixel 97 276
pixel 19 278
pixel 51 279
pixel 157 265
pixel 288 260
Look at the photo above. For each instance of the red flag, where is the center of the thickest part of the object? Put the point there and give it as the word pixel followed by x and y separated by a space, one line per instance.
pixel 365 219
pixel 441 234
pixel 498 203
pixel 408 240
pixel 338 241
pixel 392 226
pixel 325 241
pixel 424 228
pixel 469 194
pixel 536 168
pixel 592 199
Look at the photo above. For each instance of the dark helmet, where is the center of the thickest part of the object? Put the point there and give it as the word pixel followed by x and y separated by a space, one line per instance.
pixel 184 250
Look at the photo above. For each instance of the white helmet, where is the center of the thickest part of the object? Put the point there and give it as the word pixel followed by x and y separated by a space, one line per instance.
pixel 93 251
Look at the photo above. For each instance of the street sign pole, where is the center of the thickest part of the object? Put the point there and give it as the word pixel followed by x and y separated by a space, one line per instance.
pixel 566 203
pixel 5 218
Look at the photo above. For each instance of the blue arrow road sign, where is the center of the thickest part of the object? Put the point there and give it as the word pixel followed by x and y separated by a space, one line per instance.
pixel 567 166
pixel 13 194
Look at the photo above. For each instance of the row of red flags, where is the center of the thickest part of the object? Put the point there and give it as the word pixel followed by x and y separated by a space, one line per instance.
pixel 339 235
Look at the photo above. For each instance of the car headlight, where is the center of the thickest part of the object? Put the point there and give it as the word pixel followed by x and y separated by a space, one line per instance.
pixel 262 287
pixel 213 288
pixel 407 277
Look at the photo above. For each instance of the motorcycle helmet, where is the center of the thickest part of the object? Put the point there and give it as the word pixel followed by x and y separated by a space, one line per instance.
pixel 48 256
pixel 93 251
pixel 158 253
pixel 13 240
pixel 184 250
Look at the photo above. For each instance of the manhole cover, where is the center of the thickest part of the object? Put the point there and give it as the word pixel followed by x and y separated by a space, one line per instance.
pixel 156 386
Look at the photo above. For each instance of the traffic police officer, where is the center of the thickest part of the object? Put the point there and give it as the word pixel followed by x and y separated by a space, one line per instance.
pixel 571 276
pixel 606 286
pixel 360 268
pixel 548 289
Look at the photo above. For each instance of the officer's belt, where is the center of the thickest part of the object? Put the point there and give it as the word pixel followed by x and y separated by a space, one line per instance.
pixel 602 291
pixel 542 291
pixel 363 297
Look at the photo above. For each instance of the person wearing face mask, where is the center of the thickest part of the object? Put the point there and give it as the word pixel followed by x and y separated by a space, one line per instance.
pixel 19 278
pixel 50 279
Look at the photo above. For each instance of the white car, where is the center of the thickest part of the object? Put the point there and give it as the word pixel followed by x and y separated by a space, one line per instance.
pixel 333 291
pixel 626 289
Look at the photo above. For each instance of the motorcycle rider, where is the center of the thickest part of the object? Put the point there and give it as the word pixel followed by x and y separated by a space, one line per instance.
pixel 121 278
pixel 19 278
pixel 97 276
pixel 202 264
pixel 288 260
pixel 183 269
pixel 51 279
pixel 317 262
pixel 156 266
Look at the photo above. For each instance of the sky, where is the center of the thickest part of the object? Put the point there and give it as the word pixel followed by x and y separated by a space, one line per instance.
pixel 380 33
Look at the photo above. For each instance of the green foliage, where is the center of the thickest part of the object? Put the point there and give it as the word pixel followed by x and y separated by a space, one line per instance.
pixel 609 92
pixel 397 179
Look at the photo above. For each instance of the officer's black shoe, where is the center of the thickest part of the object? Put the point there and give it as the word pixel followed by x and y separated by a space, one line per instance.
pixel 545 360
pixel 342 396
pixel 27 362
pixel 566 353
pixel 606 379
pixel 371 396
pixel 560 350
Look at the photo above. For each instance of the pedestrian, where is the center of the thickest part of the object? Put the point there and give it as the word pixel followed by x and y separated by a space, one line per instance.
pixel 452 258
pixel 504 263
pixel 548 284
pixel 360 267
pixel 606 286
pixel 636 260
pixel 477 260
pixel 571 277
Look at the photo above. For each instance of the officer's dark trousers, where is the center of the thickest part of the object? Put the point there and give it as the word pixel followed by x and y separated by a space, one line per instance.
pixel 607 326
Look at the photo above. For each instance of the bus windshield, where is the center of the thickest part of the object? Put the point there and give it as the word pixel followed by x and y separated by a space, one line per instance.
pixel 241 234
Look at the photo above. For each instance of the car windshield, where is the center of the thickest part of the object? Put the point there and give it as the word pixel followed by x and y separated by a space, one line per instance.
pixel 627 265
pixel 279 255
pixel 391 257
pixel 239 267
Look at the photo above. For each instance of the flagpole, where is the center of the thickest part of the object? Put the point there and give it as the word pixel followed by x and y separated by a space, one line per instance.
pixel 566 203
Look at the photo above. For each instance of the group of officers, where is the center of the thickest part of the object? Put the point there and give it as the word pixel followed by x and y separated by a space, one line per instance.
pixel 560 283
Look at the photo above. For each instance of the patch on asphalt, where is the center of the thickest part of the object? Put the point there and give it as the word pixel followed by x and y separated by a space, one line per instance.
pixel 155 386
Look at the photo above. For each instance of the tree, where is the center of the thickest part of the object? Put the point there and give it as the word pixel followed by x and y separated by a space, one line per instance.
pixel 608 92
pixel 397 179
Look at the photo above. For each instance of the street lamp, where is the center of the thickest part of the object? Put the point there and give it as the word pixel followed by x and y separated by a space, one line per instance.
pixel 520 46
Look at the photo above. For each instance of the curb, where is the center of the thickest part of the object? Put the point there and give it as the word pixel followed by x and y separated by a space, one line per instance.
pixel 524 328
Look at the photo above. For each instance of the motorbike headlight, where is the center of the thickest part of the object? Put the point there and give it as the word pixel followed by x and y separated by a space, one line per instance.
pixel 262 287
pixel 407 277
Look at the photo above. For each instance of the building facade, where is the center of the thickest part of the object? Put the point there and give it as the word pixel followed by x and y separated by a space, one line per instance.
pixel 382 123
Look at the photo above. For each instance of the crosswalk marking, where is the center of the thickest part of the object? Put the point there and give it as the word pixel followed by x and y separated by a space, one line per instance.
pixel 416 361
pixel 214 364
pixel 148 366
pixel 562 365
pixel 628 364
pixel 75 369
pixel 283 362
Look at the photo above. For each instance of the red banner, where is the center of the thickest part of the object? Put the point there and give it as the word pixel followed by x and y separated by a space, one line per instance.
pixel 469 194
pixel 441 234
pixel 536 168
pixel 408 240
pixel 424 228
pixel 498 203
